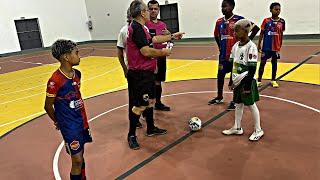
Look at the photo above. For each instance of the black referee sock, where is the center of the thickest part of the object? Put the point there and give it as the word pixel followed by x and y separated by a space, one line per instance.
pixel 158 93
pixel 75 177
pixel 133 118
pixel 261 70
pixel 149 118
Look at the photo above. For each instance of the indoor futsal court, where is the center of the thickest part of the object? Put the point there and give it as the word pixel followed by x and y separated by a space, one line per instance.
pixel 31 148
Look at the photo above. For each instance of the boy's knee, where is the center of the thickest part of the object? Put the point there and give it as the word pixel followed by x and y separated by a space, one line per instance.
pixel 138 110
pixel 77 160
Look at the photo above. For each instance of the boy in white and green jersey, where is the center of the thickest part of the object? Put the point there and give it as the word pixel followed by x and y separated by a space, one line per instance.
pixel 244 57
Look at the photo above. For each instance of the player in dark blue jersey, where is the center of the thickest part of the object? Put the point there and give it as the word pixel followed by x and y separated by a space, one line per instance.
pixel 65 106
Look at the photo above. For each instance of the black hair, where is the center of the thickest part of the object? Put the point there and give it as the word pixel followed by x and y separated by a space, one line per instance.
pixel 62 46
pixel 274 4
pixel 153 2
pixel 231 2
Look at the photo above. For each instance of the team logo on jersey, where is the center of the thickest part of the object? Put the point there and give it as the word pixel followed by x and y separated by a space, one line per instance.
pixel 75 145
pixel 252 56
pixel 232 25
pixel 76 104
pixel 241 56
pixel 271 33
pixel 279 25
pixel 145 97
pixel 76 84
pixel 51 84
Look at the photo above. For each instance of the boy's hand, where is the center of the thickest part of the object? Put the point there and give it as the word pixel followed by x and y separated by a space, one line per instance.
pixel 57 126
pixel 259 48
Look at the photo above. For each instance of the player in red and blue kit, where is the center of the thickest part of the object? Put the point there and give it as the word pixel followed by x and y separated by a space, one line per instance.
pixel 225 38
pixel 65 106
pixel 272 29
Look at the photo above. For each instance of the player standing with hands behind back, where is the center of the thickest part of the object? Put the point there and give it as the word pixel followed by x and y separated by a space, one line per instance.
pixel 65 106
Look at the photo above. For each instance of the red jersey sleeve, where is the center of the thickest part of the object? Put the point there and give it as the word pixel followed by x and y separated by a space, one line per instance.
pixel 53 86
pixel 216 29
pixel 263 24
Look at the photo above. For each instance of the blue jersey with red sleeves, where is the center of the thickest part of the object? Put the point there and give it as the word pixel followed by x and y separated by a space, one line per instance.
pixel 68 105
pixel 224 29
pixel 272 34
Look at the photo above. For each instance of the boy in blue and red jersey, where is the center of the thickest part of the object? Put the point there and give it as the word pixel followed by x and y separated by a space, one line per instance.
pixel 225 38
pixel 272 29
pixel 65 106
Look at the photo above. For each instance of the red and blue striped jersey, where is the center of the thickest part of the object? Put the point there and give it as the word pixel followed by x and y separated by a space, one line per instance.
pixel 68 105
pixel 224 29
pixel 272 34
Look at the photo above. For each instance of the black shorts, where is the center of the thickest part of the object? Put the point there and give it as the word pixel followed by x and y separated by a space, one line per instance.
pixel 161 69
pixel 141 87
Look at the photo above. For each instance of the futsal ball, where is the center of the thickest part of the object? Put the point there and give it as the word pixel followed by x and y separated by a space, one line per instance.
pixel 195 124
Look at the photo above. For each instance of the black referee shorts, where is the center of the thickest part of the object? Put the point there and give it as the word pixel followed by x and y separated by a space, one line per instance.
pixel 141 87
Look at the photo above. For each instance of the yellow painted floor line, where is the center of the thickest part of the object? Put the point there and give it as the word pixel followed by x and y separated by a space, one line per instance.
pixel 22 92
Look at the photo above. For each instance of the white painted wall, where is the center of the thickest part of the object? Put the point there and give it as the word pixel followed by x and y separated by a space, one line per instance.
pixel 67 18
pixel 197 17
pixel 57 19
pixel 108 16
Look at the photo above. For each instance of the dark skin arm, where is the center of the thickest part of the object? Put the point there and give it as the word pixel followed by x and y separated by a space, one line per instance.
pixel 121 60
pixel 48 107
pixel 217 38
pixel 260 40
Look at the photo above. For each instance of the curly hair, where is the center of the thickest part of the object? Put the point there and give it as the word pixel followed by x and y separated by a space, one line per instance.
pixel 62 46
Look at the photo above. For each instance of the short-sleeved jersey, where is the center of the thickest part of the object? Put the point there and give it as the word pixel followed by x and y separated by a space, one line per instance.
pixel 224 29
pixel 139 37
pixel 157 29
pixel 243 57
pixel 122 41
pixel 272 34
pixel 68 105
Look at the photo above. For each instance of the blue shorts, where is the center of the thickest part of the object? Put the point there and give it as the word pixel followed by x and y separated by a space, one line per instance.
pixel 224 67
pixel 74 142
pixel 269 54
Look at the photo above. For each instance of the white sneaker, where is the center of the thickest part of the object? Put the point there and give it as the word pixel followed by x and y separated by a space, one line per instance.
pixel 256 135
pixel 232 131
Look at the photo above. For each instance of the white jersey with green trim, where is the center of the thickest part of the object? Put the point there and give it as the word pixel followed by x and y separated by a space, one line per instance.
pixel 242 57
